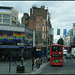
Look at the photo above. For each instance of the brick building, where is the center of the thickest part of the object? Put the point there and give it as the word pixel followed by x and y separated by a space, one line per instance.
pixel 39 21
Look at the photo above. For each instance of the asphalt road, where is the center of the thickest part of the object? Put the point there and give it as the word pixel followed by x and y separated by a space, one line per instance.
pixel 68 68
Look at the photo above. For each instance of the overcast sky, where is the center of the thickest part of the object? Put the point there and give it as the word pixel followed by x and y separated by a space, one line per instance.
pixel 62 12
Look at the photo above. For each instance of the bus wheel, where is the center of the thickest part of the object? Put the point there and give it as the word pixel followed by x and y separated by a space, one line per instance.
pixel 51 65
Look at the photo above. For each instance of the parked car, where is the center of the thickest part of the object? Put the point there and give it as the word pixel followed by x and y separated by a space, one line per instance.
pixel 64 52
pixel 68 56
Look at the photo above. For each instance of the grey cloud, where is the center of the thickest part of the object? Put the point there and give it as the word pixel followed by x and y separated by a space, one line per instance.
pixel 62 12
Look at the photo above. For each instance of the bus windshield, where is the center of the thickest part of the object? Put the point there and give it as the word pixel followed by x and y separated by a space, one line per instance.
pixel 56 48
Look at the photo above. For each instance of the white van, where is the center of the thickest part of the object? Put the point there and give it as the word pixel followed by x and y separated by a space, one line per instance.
pixel 64 51
pixel 73 52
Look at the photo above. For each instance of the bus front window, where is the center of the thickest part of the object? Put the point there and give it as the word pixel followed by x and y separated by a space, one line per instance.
pixel 56 49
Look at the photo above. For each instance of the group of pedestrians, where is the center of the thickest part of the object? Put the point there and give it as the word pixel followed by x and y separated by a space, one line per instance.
pixel 38 62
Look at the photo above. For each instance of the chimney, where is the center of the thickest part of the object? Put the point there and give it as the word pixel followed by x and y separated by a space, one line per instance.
pixel 31 11
pixel 43 7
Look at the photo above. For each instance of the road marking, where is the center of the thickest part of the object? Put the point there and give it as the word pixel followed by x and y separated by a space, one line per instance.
pixel 40 69
pixel 73 61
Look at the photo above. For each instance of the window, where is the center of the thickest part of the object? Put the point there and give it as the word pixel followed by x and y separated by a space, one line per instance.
pixel 5 10
pixel 0 15
pixel 44 28
pixel 13 22
pixel 43 35
pixel 56 48
pixel 14 18
pixel 6 16
pixel 6 20
pixel 14 13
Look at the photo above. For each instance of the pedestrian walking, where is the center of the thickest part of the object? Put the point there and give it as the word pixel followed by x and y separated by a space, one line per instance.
pixel 1 59
pixel 32 64
pixel 37 62
pixel 64 58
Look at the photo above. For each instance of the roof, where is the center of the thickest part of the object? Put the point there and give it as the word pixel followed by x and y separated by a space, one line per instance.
pixel 3 7
pixel 66 46
pixel 56 45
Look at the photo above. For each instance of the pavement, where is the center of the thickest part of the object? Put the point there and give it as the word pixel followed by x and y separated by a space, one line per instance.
pixel 6 68
pixel 36 71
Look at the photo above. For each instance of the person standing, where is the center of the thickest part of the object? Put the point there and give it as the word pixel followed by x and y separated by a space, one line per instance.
pixel 22 59
pixel 0 57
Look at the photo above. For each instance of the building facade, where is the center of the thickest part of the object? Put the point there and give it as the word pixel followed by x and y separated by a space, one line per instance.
pixel 8 15
pixel 25 19
pixel 15 39
pixel 66 40
pixel 39 21
pixel 74 29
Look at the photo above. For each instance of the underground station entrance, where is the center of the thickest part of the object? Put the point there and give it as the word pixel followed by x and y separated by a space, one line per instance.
pixel 12 53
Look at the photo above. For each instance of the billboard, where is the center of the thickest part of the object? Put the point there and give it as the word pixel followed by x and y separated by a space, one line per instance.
pixel 64 32
pixel 15 37
pixel 58 31
pixel 71 32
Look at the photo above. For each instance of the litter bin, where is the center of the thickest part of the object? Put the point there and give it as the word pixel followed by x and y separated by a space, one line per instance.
pixel 20 69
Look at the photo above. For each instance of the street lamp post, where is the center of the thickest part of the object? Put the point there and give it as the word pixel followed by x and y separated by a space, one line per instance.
pixel 22 59
pixel 10 57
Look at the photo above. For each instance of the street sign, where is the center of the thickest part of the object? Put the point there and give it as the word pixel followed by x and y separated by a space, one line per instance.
pixel 71 32
pixel 64 32
pixel 58 31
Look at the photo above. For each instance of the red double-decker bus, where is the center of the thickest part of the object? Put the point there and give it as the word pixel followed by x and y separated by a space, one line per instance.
pixel 56 55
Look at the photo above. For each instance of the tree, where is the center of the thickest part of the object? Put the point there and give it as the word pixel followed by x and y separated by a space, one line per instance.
pixel 60 41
